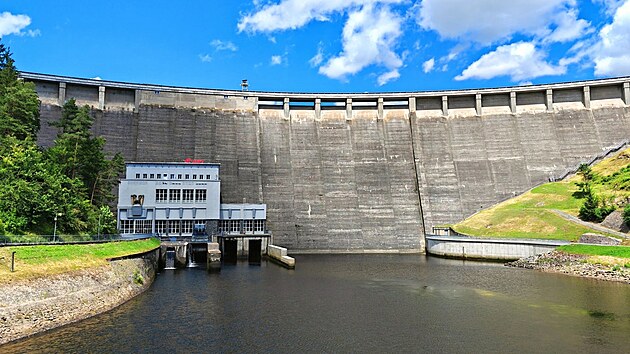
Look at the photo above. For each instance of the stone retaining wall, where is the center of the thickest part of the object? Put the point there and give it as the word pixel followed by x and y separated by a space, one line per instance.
pixel 491 249
pixel 33 306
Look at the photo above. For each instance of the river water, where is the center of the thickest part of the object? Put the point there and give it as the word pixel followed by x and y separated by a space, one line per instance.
pixel 357 303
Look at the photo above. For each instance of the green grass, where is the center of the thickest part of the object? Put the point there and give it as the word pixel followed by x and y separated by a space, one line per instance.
pixel 531 215
pixel 42 260
pixel 595 250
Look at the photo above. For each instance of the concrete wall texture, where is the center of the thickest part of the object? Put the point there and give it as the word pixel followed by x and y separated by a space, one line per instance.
pixel 488 248
pixel 357 172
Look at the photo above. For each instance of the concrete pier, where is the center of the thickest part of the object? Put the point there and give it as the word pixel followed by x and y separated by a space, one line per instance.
pixel 213 258
pixel 279 254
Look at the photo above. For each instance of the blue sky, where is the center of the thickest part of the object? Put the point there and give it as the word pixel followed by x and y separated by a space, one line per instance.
pixel 322 45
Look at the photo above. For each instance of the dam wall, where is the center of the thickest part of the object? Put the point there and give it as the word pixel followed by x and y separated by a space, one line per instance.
pixel 357 172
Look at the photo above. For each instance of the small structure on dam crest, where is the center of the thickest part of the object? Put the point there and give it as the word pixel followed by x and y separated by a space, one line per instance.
pixel 180 203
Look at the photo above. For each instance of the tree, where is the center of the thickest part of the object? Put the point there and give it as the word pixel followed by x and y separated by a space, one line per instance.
pixel 81 155
pixel 33 191
pixel 594 208
pixel 19 104
pixel 72 181
pixel 8 72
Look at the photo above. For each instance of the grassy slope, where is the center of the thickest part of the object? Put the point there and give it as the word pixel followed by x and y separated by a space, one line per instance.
pixel 37 261
pixel 530 214
pixel 607 255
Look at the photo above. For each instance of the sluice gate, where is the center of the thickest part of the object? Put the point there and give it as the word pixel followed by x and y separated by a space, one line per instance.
pixel 227 250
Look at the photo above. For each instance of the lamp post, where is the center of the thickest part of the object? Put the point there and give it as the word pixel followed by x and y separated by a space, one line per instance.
pixel 55 228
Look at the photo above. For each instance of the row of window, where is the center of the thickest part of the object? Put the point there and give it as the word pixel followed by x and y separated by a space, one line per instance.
pixel 171 176
pixel 165 227
pixel 183 195
pixel 185 227
pixel 241 226
pixel 136 226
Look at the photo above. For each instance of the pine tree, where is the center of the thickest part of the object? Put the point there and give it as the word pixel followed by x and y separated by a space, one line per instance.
pixel 19 104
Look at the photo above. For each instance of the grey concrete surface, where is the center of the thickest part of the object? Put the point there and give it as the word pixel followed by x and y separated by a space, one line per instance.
pixel 357 172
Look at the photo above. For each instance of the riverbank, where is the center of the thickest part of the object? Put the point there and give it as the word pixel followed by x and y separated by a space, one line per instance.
pixel 610 269
pixel 31 306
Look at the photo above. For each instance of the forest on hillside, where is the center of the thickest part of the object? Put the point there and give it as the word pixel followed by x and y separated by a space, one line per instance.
pixel 67 186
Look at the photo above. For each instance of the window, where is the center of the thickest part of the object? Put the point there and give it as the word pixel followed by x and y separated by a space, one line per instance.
pixel 208 177
pixel 188 195
pixel 143 226
pixel 161 227
pixel 172 176
pixel 126 226
pixel 200 195
pixel 235 226
pixel 259 225
pixel 158 176
pixel 174 195
pixel 200 176
pixel 160 195
pixel 173 227
pixel 248 226
pixel 187 227
pixel 152 176
pixel 224 225
pixel 144 175
pixel 187 176
pixel 194 176
pixel 179 176
pixel 137 175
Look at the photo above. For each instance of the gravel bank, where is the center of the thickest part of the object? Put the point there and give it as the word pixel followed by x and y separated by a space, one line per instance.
pixel 571 264
pixel 32 306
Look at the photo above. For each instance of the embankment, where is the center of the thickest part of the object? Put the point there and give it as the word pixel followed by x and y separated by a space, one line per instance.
pixel 32 306
pixel 573 264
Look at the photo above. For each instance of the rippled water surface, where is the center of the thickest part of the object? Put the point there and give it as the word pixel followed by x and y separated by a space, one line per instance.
pixel 357 303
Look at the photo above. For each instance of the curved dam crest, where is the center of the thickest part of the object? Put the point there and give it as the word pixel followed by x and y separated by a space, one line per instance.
pixel 357 172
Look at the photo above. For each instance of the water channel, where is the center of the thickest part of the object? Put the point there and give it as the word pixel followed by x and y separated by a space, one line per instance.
pixel 357 303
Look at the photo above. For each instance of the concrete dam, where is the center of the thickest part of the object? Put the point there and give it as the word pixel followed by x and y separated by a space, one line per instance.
pixel 356 172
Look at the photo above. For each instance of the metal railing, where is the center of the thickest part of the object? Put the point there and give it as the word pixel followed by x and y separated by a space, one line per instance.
pixel 54 239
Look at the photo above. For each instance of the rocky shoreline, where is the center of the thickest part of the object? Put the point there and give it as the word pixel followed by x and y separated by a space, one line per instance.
pixel 37 305
pixel 572 264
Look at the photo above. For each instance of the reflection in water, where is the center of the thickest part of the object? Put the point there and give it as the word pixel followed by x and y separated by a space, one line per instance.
pixel 357 303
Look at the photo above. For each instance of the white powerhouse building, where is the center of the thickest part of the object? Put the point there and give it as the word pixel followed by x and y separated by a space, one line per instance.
pixel 176 199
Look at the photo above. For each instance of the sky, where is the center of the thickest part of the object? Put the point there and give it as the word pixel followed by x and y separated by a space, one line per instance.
pixel 322 45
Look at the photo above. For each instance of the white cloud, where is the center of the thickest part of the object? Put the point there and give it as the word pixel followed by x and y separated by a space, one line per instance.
pixel 611 56
pixel 368 38
pixel 568 27
pixel 206 58
pixel 491 21
pixel 14 24
pixel 520 61
pixel 387 77
pixel 292 14
pixel 276 59
pixel 223 45
pixel 610 6
pixel 97 78
pixel 428 65
pixel 317 58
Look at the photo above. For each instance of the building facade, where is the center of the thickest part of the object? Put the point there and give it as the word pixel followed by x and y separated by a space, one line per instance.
pixel 181 200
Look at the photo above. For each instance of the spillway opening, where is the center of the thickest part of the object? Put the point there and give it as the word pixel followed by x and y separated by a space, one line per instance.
pixel 254 256
pixel 170 258
pixel 197 254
